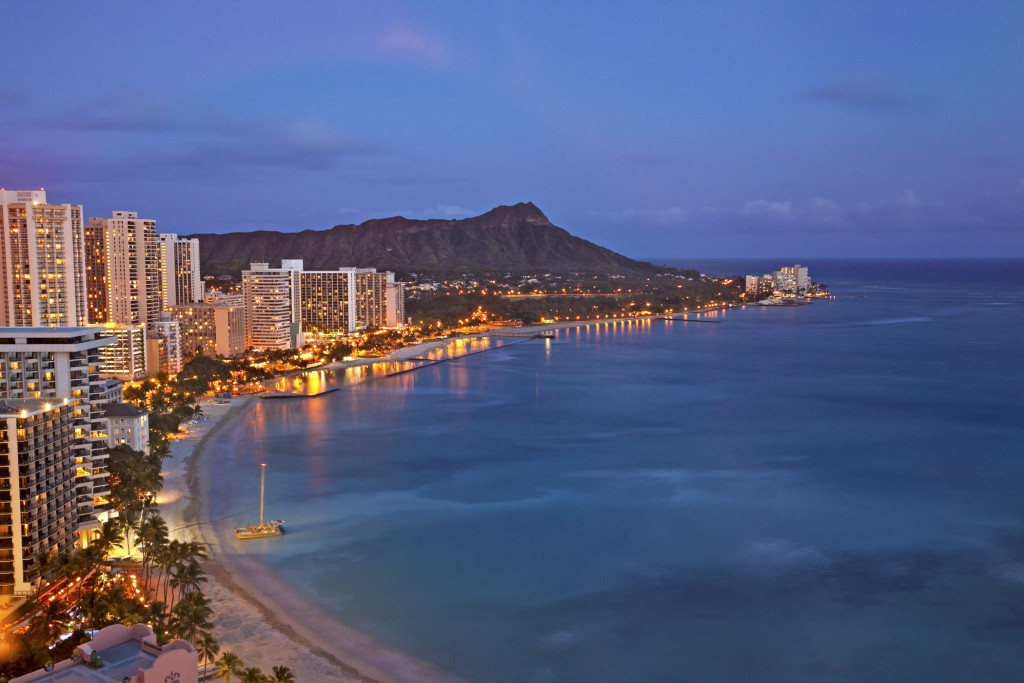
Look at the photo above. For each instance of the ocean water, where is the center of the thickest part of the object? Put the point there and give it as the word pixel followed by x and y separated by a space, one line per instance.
pixel 828 492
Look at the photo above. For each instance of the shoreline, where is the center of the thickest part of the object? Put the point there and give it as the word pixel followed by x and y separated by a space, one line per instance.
pixel 413 352
pixel 257 615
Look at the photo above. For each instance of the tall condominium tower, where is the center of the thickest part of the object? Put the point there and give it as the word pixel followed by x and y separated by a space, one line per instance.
pixel 42 261
pixel 179 270
pixel 38 513
pixel 96 271
pixel 272 305
pixel 134 289
pixel 54 365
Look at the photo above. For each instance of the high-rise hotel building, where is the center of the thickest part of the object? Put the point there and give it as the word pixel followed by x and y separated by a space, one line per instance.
pixel 54 364
pixel 285 303
pixel 131 252
pixel 272 305
pixel 38 481
pixel 179 270
pixel 350 299
pixel 42 264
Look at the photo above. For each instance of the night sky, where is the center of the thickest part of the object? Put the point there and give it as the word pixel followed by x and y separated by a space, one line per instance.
pixel 658 129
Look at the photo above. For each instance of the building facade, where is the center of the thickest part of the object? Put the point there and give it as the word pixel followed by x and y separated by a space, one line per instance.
pixel 123 654
pixel 38 507
pixel 350 299
pixel 212 330
pixel 179 270
pixel 792 280
pixel 126 358
pixel 164 352
pixel 272 305
pixel 97 303
pixel 127 425
pixel 135 294
pixel 57 363
pixel 42 261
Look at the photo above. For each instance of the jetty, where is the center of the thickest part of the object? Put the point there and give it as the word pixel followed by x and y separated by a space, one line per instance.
pixel 684 319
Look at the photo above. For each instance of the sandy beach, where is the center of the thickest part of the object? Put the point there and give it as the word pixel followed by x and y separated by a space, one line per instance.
pixel 257 616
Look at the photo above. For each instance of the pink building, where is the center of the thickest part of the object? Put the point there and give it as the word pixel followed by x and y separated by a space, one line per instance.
pixel 118 654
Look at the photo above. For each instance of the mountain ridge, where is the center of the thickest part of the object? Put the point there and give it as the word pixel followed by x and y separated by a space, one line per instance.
pixel 516 238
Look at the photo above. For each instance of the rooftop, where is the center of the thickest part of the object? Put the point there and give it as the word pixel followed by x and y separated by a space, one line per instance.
pixel 123 410
pixel 10 406
pixel 118 653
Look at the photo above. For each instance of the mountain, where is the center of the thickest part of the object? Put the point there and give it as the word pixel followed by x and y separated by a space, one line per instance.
pixel 516 238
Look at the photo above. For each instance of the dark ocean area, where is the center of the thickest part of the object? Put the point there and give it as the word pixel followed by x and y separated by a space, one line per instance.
pixel 830 492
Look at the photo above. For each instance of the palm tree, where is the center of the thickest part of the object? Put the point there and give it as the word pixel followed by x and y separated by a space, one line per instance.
pixel 195 549
pixel 230 664
pixel 191 617
pixel 282 674
pixel 188 577
pixel 109 537
pixel 207 647
pixel 158 620
pixel 51 621
pixel 129 519
pixel 169 558
pixel 252 674
pixel 152 536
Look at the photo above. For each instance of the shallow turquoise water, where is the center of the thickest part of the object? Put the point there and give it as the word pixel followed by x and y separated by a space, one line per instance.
pixel 831 492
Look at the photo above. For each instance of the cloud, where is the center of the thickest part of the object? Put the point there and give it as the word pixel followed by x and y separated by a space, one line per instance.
pixel 999 209
pixel 671 215
pixel 119 112
pixel 404 41
pixel 860 93
pixel 449 210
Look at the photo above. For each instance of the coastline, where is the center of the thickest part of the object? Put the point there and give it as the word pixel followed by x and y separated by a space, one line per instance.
pixel 257 615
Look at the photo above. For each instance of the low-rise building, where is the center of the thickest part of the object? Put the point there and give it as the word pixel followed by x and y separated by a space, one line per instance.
pixel 119 654
pixel 127 425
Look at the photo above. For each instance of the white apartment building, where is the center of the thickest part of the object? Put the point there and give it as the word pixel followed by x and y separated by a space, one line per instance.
pixel 272 305
pixel 135 293
pixel 179 270
pixel 792 280
pixel 54 364
pixel 127 425
pixel 394 302
pixel 42 261
pixel 164 352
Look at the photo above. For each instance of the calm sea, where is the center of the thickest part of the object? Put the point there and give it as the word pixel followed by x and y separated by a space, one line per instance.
pixel 829 492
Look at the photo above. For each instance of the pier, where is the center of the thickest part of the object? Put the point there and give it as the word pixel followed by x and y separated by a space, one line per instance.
pixel 687 320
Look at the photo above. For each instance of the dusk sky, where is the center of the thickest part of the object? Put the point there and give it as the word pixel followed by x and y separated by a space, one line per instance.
pixel 658 129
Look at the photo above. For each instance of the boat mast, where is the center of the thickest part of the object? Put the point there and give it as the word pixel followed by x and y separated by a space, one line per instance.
pixel 263 478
